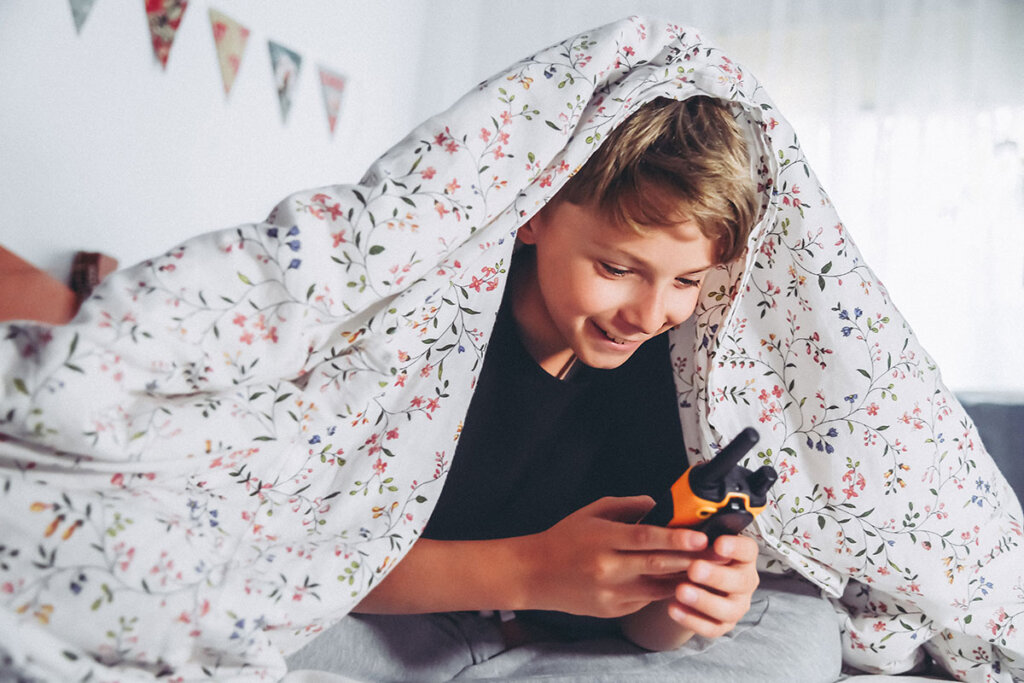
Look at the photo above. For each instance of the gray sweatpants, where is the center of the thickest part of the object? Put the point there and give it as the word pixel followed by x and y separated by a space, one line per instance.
pixel 789 634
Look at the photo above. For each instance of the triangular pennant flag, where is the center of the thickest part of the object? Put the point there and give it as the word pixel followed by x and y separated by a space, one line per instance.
pixel 80 12
pixel 230 38
pixel 164 18
pixel 286 65
pixel 332 84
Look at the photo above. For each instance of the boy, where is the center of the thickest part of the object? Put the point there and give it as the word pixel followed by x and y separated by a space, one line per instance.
pixel 574 423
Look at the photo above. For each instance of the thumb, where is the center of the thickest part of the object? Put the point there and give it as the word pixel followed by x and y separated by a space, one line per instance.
pixel 629 509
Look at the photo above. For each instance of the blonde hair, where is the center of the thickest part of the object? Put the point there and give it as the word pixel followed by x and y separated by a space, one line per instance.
pixel 672 161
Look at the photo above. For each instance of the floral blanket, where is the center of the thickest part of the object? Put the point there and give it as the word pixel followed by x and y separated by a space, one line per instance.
pixel 236 440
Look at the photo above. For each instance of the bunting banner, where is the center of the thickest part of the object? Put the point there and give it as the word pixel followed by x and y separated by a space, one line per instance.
pixel 80 12
pixel 286 65
pixel 164 19
pixel 332 84
pixel 230 38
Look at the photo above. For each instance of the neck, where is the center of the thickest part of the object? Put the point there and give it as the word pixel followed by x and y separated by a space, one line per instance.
pixel 536 329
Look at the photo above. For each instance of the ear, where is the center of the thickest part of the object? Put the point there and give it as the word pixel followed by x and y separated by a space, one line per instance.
pixel 527 233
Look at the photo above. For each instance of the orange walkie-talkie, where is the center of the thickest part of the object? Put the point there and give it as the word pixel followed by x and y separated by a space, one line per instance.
pixel 719 496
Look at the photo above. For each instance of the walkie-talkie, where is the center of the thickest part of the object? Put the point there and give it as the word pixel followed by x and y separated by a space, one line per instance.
pixel 716 497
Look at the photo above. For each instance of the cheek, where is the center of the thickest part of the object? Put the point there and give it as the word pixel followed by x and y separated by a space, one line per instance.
pixel 685 305
pixel 576 290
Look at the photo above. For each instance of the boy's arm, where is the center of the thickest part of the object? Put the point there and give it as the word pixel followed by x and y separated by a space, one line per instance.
pixel 596 561
pixel 709 602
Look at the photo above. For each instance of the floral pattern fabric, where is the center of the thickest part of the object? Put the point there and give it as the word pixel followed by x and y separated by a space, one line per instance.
pixel 234 441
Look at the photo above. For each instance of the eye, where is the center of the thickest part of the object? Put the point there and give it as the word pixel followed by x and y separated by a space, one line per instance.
pixel 613 271
pixel 687 282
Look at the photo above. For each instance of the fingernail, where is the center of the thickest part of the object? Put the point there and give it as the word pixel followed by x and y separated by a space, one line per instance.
pixel 697 541
pixel 688 594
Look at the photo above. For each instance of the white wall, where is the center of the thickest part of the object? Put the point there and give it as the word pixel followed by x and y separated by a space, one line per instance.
pixel 101 149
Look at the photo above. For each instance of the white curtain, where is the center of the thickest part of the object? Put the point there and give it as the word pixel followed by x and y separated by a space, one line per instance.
pixel 911 111
pixel 913 114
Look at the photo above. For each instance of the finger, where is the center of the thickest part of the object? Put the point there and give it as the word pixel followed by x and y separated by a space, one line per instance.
pixel 736 548
pixel 627 509
pixel 705 608
pixel 700 624
pixel 647 537
pixel 657 564
pixel 724 579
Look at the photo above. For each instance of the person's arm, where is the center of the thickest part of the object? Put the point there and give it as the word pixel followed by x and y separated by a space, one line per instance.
pixel 710 601
pixel 596 562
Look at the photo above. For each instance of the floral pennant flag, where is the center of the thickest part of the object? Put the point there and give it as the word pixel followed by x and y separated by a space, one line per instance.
pixel 286 65
pixel 164 18
pixel 230 37
pixel 80 11
pixel 332 84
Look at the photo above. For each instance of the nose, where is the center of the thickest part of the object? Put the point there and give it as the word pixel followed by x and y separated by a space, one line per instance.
pixel 655 309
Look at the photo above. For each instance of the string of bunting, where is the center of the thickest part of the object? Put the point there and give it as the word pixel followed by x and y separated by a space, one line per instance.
pixel 230 38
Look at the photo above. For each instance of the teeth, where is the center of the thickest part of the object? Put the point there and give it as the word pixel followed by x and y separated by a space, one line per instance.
pixel 614 339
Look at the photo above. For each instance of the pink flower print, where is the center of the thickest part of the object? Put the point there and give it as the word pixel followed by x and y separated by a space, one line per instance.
pixel 400 380
pixel 563 167
pixel 428 173
pixel 546 181
pixel 393 434
pixel 339 238
pixel 629 51
pixel 451 147
pixel 334 210
pixel 432 404
pixel 452 186
pixel 506 117
pixel 380 466
pixel 239 320
pixel 873 409
pixel 246 338
pixel 441 209
pixel 786 470
pixel 440 138
pixel 475 284
pixel 485 134
pixel 417 401
pixel 777 391
pixel 427 369
pixel 498 154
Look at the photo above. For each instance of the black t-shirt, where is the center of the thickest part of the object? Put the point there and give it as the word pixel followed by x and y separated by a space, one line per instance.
pixel 534 448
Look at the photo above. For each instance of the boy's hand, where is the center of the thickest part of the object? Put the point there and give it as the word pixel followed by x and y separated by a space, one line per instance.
pixel 599 562
pixel 717 591
pixel 710 601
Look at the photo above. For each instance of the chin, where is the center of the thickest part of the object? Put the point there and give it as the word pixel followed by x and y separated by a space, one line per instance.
pixel 602 361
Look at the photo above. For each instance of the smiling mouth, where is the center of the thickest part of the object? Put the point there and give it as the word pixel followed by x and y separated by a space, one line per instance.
pixel 617 340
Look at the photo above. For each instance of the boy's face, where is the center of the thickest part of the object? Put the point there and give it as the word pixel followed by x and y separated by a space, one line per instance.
pixel 601 290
